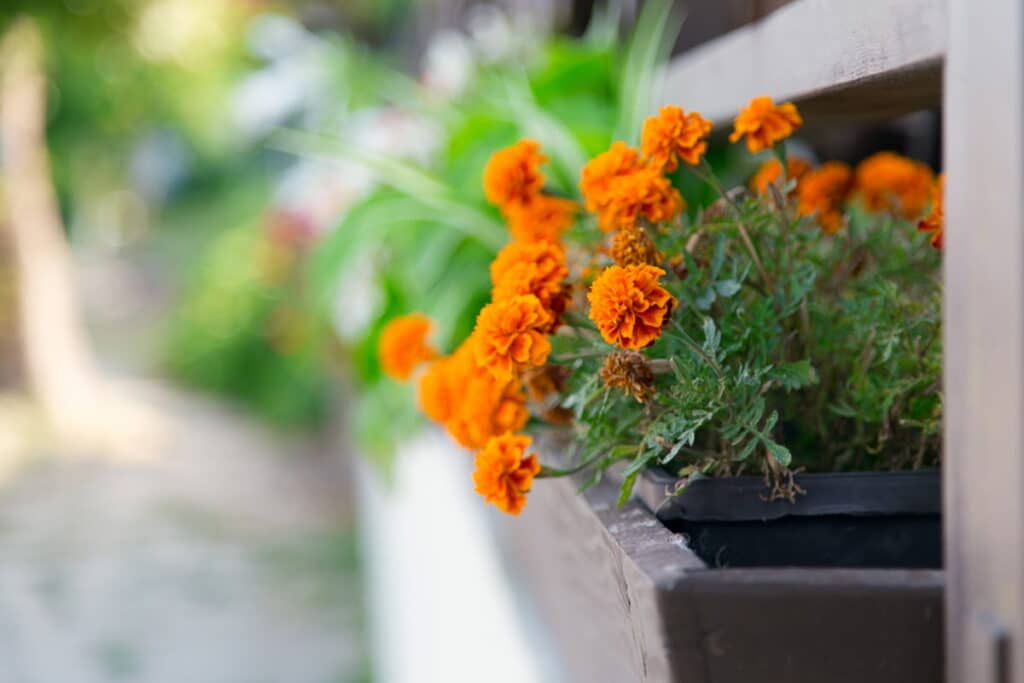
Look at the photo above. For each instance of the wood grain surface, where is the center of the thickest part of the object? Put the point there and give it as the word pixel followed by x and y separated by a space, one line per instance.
pixel 627 600
pixel 866 59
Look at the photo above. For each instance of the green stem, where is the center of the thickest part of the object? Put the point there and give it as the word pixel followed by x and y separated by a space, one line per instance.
pixel 780 151
pixel 547 472
pixel 709 177
pixel 593 353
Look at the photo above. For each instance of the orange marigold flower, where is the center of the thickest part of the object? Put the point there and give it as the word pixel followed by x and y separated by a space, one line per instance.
pixel 511 334
pixel 602 170
pixel 887 181
pixel 487 407
pixel 438 395
pixel 643 192
pixel 512 177
pixel 629 305
pixel 765 123
pixel 619 188
pixel 822 192
pixel 770 171
pixel 536 268
pixel 934 222
pixel 633 246
pixel 403 345
pixel 543 218
pixel 468 400
pixel 504 473
pixel 629 372
pixel 674 135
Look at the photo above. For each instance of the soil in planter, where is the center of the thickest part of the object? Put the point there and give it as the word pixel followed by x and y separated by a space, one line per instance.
pixel 904 541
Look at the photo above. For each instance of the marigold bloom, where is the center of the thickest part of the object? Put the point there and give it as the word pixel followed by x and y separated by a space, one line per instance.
pixel 823 192
pixel 633 246
pixel 536 268
pixel 512 177
pixel 887 181
pixel 629 305
pixel 765 123
pixel 468 400
pixel 674 135
pixel 599 173
pixel 543 218
pixel 510 335
pixel 504 473
pixel 438 396
pixel 403 345
pixel 769 172
pixel 629 372
pixel 619 188
pixel 934 222
pixel 487 407
pixel 643 192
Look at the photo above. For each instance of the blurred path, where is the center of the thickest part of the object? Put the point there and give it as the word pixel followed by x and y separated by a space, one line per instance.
pixel 224 556
pixel 166 539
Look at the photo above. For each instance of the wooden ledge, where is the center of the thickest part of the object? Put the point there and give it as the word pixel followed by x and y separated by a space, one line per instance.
pixel 866 59
pixel 627 600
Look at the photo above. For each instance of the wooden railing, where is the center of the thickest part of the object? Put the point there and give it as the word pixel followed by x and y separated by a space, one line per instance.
pixel 845 61
pixel 870 58
pixel 880 58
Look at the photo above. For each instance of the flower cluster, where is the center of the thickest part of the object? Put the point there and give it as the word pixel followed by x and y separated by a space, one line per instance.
pixel 514 183
pixel 823 191
pixel 719 305
pixel 890 182
pixel 538 268
pixel 469 401
pixel 623 185
pixel 883 183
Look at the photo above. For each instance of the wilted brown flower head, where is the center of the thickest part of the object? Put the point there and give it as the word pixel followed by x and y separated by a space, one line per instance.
pixel 633 247
pixel 629 372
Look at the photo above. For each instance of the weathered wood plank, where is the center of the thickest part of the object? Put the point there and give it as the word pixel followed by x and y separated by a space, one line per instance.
pixel 984 341
pixel 593 572
pixel 845 59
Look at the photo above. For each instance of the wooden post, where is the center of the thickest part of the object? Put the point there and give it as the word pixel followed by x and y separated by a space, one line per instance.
pixel 984 341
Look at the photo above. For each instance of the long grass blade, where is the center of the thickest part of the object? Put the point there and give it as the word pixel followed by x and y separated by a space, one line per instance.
pixel 655 32
pixel 401 176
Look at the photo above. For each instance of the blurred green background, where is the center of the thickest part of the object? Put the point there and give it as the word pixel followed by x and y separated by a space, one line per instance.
pixel 292 174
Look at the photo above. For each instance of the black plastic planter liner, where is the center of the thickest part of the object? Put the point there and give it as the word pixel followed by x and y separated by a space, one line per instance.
pixel 861 519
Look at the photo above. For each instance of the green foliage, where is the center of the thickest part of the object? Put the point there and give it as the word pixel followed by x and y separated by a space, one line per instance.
pixel 105 93
pixel 829 360
pixel 428 232
pixel 243 331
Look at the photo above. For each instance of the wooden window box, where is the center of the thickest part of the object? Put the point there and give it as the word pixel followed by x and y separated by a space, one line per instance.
pixel 628 600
